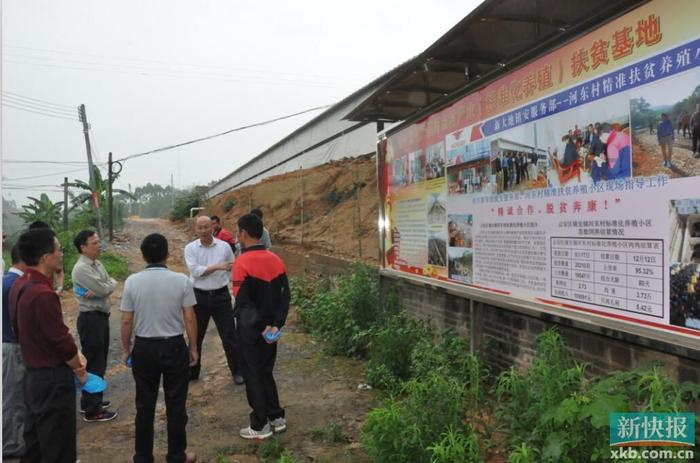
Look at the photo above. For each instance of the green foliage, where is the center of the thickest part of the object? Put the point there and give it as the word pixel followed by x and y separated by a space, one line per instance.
pixel 183 205
pixel 42 208
pixel 335 433
pixel 553 413
pixel 403 430
pixel 229 204
pixel 297 218
pixel 288 457
pixel 391 351
pixel 344 313
pixel 450 357
pixel 456 447
pixel 271 449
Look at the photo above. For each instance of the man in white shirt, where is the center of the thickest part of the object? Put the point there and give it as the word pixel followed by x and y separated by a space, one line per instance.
pixel 209 261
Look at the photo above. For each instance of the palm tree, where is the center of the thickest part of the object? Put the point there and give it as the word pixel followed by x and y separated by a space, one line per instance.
pixel 43 209
pixel 101 188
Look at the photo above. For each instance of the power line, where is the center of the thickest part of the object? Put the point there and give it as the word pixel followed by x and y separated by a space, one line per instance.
pixel 33 106
pixel 21 108
pixel 37 161
pixel 237 129
pixel 175 63
pixel 41 176
pixel 251 80
pixel 38 100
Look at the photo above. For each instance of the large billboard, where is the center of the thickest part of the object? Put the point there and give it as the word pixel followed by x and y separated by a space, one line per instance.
pixel 573 181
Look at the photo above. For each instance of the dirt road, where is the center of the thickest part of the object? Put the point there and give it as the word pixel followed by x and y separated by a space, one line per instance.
pixel 647 156
pixel 318 392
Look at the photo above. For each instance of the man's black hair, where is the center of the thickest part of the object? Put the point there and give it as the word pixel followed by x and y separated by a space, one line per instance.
pixel 154 248
pixel 35 243
pixel 14 255
pixel 81 239
pixel 38 225
pixel 215 218
pixel 252 225
pixel 257 211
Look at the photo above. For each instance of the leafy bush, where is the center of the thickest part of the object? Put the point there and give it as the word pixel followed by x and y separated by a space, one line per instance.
pixel 229 204
pixel 456 447
pixel 271 449
pixel 403 430
pixel 346 316
pixel 553 413
pixel 287 457
pixel 391 350
pixel 450 357
pixel 183 205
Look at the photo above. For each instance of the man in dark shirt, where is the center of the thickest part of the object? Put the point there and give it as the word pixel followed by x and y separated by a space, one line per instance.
pixel 49 351
pixel 262 301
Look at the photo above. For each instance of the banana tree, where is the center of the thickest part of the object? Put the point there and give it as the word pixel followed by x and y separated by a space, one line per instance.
pixel 101 189
pixel 43 209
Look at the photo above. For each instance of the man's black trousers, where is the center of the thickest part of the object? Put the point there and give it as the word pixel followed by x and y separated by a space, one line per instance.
pixel 93 329
pixel 217 305
pixel 260 388
pixel 50 430
pixel 153 357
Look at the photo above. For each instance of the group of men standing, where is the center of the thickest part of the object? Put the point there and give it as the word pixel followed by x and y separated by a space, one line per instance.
pixel 42 365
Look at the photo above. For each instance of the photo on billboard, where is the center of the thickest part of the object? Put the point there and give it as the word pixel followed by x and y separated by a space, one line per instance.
pixel 460 264
pixel 684 243
pixel 587 144
pixel 435 167
pixel 459 230
pixel 437 209
pixel 417 166
pixel 437 249
pixel 399 172
pixel 662 132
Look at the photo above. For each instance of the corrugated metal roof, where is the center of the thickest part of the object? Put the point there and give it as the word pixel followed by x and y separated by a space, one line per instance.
pixel 496 37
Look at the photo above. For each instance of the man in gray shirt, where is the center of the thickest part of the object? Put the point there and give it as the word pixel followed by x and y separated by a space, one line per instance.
pixel 92 288
pixel 265 240
pixel 157 306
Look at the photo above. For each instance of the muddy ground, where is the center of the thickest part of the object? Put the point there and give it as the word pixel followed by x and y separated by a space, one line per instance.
pixel 318 392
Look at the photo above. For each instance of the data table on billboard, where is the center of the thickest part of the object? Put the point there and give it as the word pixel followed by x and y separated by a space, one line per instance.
pixel 623 274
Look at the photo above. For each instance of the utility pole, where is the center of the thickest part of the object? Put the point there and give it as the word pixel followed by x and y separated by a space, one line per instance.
pixel 110 200
pixel 172 192
pixel 111 176
pixel 93 189
pixel 65 203
pixel 131 201
pixel 301 181
pixel 358 228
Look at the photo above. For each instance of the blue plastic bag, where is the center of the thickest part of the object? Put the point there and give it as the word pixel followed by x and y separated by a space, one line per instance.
pixel 93 385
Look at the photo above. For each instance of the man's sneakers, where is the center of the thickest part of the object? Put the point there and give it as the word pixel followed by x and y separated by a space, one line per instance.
pixel 279 424
pixel 250 433
pixel 103 405
pixel 104 415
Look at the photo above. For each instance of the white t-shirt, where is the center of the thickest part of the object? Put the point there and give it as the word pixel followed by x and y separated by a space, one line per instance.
pixel 157 296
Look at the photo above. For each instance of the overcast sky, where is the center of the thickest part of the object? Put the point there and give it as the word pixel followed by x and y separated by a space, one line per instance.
pixel 155 73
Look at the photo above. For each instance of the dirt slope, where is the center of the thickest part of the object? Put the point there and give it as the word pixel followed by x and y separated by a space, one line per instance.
pixel 335 213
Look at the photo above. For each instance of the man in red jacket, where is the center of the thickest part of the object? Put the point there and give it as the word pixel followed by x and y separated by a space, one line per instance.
pixel 261 289
pixel 221 233
pixel 49 352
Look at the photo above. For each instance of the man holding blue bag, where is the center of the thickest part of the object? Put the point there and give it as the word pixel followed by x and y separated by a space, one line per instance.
pixel 261 289
pixel 93 286
pixel 157 306
pixel 49 352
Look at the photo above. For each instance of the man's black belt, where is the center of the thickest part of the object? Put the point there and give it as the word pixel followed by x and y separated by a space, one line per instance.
pixel 211 292
pixel 158 338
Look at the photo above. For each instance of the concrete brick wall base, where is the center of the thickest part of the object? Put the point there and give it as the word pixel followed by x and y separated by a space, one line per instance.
pixel 505 337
